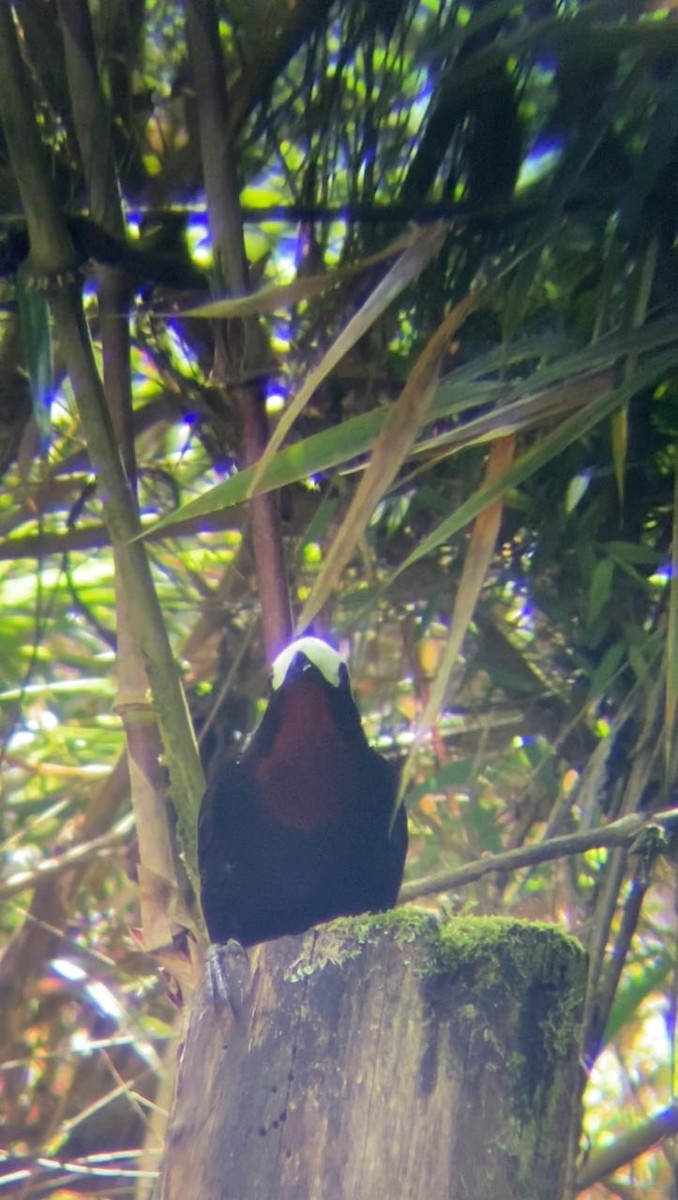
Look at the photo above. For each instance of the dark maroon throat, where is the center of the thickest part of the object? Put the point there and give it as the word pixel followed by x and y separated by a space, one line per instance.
pixel 304 781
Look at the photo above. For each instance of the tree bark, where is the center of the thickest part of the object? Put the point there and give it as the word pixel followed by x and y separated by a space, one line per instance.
pixel 384 1056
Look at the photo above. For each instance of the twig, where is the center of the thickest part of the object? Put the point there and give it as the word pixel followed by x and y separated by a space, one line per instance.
pixel 610 977
pixel 648 747
pixel 620 833
pixel 629 1146
pixel 21 881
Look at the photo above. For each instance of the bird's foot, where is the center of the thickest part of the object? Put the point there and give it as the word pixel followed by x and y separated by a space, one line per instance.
pixel 227 972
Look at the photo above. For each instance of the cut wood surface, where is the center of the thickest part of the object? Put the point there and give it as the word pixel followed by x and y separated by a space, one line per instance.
pixel 383 1056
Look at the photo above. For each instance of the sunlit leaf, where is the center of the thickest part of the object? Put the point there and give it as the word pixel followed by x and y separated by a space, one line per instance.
pixel 411 263
pixel 285 295
pixel 620 439
pixel 459 391
pixel 532 460
pixel 576 490
pixel 397 435
pixel 478 556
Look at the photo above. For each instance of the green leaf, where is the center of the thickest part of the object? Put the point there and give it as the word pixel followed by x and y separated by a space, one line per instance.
pixel 424 246
pixel 606 668
pixel 632 552
pixel 576 490
pixel 538 456
pixel 600 589
pixel 36 346
pixel 463 389
pixel 620 444
pixel 285 295
pixel 403 421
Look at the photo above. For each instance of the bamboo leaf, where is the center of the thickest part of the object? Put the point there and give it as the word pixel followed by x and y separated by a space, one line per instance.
pixel 411 263
pixel 535 458
pixel 620 420
pixel 606 668
pixel 600 589
pixel 629 552
pixel 465 388
pixel 576 490
pixel 477 560
pixel 286 295
pixel 397 435
pixel 620 445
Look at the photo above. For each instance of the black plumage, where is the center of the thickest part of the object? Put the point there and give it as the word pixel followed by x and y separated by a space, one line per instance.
pixel 299 829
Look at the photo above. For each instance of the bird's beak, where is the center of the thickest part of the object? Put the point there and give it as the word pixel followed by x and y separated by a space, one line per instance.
pixel 297 668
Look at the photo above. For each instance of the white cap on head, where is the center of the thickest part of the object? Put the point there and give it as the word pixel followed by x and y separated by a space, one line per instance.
pixel 323 656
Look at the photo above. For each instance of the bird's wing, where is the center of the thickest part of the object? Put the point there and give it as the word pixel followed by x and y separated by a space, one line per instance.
pixel 221 812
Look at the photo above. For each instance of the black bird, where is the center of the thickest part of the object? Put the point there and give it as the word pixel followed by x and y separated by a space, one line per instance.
pixel 299 829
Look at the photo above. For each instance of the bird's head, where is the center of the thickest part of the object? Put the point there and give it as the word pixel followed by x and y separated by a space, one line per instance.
pixel 309 656
pixel 310 699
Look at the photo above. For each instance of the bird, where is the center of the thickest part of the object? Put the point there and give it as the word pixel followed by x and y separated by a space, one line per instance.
pixel 302 826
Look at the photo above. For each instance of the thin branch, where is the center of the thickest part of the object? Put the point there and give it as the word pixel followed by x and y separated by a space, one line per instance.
pixel 239 345
pixel 616 963
pixel 620 833
pixel 95 537
pixel 629 1146
pixel 49 868
pixel 647 750
pixel 362 212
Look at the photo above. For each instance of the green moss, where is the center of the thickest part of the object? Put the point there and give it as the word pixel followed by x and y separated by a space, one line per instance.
pixel 533 960
pixel 490 951
pixel 341 940
pixel 472 938
pixel 534 975
pixel 409 924
pixel 505 994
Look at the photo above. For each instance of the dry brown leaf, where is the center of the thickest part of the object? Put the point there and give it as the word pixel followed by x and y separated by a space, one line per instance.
pixel 397 436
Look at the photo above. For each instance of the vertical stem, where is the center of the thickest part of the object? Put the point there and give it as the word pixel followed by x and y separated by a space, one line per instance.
pixel 240 346
pixel 160 873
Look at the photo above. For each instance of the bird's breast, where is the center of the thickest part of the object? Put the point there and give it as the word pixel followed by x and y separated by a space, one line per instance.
pixel 308 780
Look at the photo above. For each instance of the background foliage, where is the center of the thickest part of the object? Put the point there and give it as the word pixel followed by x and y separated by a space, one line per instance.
pixel 459 312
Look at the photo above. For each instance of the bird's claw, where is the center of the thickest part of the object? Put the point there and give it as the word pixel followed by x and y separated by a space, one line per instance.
pixel 227 972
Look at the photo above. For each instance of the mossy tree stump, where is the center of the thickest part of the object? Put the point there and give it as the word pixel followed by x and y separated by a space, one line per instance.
pixel 384 1056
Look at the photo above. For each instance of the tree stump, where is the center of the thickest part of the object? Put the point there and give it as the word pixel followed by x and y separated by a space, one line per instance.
pixel 384 1056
